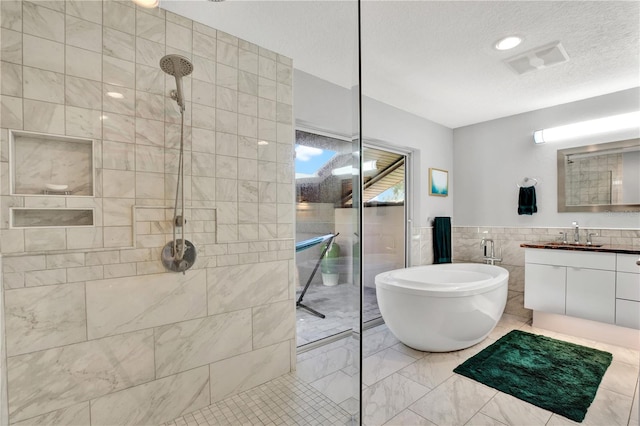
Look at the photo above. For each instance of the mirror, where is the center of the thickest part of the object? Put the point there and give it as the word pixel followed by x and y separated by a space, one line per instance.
pixel 600 178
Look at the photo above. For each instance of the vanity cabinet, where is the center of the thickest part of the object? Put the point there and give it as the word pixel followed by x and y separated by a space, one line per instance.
pixel 627 291
pixel 575 283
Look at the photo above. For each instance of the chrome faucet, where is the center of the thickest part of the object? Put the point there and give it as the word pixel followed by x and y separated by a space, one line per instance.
pixel 491 259
pixel 576 233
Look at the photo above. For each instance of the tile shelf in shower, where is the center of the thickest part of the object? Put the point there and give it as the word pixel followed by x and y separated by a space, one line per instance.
pixel 37 160
pixel 22 217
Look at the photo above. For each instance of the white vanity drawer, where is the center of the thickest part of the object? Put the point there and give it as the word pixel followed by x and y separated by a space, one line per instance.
pixel 627 263
pixel 576 259
pixel 628 286
pixel 628 313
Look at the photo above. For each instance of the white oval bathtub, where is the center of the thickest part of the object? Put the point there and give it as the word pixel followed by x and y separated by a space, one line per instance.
pixel 441 308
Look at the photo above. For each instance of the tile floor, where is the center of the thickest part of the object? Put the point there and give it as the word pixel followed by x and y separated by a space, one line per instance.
pixel 337 304
pixel 282 401
pixel 405 387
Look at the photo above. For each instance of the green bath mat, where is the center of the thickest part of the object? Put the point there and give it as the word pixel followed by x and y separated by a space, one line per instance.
pixel 558 376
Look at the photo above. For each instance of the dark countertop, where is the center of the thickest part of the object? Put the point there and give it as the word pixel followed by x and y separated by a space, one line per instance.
pixel 605 248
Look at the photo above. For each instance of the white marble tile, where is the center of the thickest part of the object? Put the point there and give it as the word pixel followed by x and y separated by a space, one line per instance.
pixel 204 45
pixel 87 10
pixel 267 88
pixel 510 410
pixel 155 402
pixel 483 420
pixel 382 364
pixel 149 158
pixel 11 84
pixel 284 94
pixel 83 34
pixel 204 69
pixel 634 418
pixel 203 117
pixel 83 63
pixel 226 189
pixel 248 127
pixel 409 351
pixel 84 273
pixel 44 381
pixel 118 72
pixel 118 44
pixel 150 27
pixel 248 61
pixel 323 364
pixel 11 116
pixel 84 238
pixel 248 83
pixel 83 93
pixel 83 122
pixel 149 79
pixel 408 417
pixel 149 132
pixel 227 54
pixel 119 156
pixel 149 106
pixel 237 287
pixel 47 277
pixel 44 239
pixel 608 408
pixel 337 386
pixel 239 373
pixel 42 22
pixel 178 36
pixel 44 317
pixel 44 54
pixel 185 345
pixel 388 398
pixel 74 415
pixel 67 260
pixel 267 192
pixel 435 368
pixel 203 93
pixel 454 402
pixel 266 68
pixel 117 184
pixel 119 16
pixel 11 15
pixel 43 85
pixel 124 103
pixel 273 323
pixel 284 74
pixel 125 304
pixel 227 76
pixel 621 378
pixel 620 354
pixel 150 185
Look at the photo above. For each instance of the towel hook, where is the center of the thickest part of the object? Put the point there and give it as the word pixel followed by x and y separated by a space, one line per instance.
pixel 526 180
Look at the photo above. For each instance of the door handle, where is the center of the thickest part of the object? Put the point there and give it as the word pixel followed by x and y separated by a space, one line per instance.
pixel 638 262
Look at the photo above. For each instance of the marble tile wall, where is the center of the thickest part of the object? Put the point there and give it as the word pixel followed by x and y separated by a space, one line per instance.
pixel 96 331
pixel 465 243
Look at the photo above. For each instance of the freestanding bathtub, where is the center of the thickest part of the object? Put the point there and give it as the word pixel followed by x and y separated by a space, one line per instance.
pixel 441 308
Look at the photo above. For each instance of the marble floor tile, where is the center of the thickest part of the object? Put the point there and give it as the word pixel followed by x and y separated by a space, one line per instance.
pixel 620 354
pixel 634 418
pixel 324 364
pixel 608 408
pixel 383 364
pixel 513 411
pixel 435 368
pixel 377 342
pixel 454 402
pixel 400 347
pixel 483 420
pixel 337 386
pixel 388 397
pixel 408 417
pixel 621 378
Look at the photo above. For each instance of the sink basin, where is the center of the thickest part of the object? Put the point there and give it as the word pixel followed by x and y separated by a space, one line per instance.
pixel 560 244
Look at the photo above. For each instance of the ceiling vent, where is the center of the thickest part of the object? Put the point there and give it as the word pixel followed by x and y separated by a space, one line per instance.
pixel 538 58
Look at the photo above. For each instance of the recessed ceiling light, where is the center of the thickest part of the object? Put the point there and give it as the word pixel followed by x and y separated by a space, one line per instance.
pixel 115 95
pixel 146 3
pixel 508 42
pixel 263 143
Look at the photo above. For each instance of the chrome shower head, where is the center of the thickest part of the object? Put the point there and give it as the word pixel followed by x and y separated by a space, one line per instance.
pixel 177 66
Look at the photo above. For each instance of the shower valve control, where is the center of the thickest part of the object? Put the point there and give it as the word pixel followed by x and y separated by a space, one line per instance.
pixel 179 220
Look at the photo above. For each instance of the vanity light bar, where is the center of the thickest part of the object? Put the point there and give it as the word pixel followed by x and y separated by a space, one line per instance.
pixel 590 127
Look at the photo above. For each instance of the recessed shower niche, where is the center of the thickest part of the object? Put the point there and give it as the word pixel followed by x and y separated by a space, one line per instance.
pixel 42 164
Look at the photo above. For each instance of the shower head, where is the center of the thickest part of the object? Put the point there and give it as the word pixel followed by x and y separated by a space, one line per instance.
pixel 177 66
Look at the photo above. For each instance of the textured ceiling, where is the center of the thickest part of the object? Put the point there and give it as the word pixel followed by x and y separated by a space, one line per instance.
pixel 435 59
